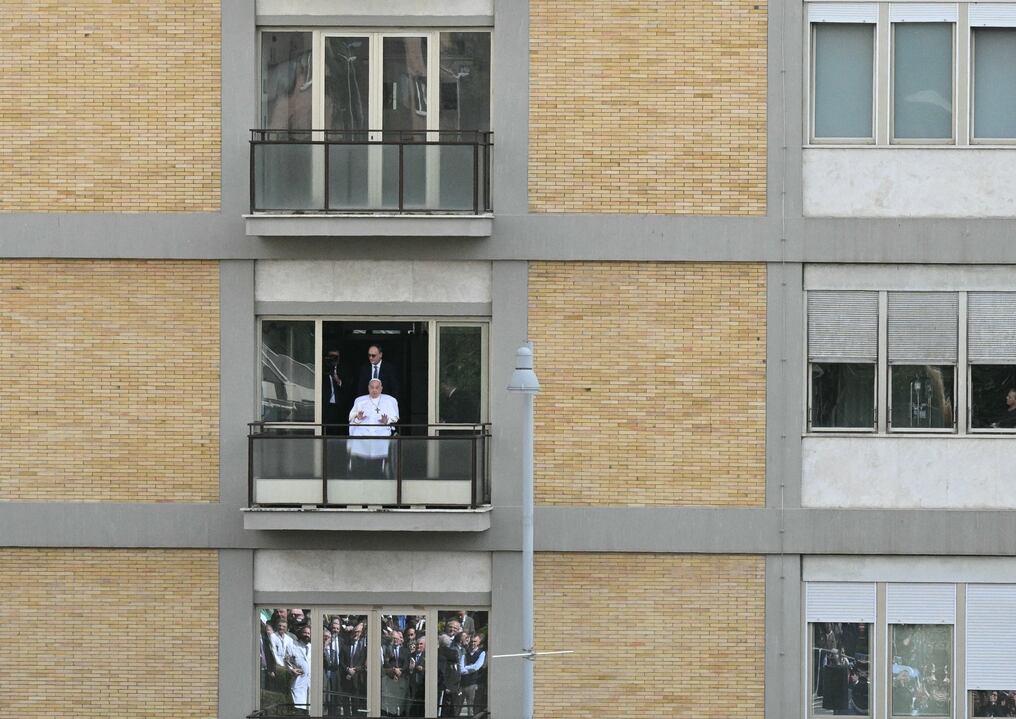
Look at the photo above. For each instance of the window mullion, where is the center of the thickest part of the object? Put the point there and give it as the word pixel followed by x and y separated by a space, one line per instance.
pixel 882 379
pixel 962 70
pixel 961 402
pixel 883 77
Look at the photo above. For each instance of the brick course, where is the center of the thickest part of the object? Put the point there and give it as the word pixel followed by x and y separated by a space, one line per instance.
pixel 654 107
pixel 109 381
pixel 109 106
pixel 655 635
pixel 653 383
pixel 101 633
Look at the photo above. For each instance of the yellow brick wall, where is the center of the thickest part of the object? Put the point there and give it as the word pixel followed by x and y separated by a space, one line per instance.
pixel 109 380
pixel 110 106
pixel 655 107
pixel 653 383
pixel 655 635
pixel 95 634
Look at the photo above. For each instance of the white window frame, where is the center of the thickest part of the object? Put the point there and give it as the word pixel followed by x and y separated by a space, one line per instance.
pixel 810 123
pixel 963 76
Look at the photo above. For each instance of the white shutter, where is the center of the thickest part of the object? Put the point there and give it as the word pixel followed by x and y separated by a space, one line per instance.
pixel 852 602
pixel 991 636
pixel 848 12
pixel 986 14
pixel 991 327
pixel 923 12
pixel 842 326
pixel 920 603
pixel 923 327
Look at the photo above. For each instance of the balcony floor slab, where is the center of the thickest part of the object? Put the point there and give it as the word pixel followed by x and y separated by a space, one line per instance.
pixel 368 225
pixel 367 520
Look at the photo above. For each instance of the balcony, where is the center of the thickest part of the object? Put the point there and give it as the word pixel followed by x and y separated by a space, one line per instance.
pixel 313 477
pixel 289 710
pixel 370 183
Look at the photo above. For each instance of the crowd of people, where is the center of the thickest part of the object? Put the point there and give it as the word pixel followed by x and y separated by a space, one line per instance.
pixel 842 668
pixel 459 645
pixel 994 703
pixel 922 685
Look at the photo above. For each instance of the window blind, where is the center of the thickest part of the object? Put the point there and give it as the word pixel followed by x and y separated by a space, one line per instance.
pixel 842 326
pixel 840 602
pixel 991 327
pixel 920 603
pixel 991 636
pixel 923 327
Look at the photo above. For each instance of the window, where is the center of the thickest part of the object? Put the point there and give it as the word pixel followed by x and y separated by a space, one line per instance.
pixel 375 662
pixel 395 120
pixel 890 361
pixel 840 640
pixel 897 73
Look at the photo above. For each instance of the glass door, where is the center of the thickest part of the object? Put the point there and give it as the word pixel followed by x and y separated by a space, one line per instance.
pixel 347 61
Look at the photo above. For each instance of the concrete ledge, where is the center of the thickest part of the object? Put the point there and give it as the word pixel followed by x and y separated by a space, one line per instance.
pixel 373 225
pixel 368 520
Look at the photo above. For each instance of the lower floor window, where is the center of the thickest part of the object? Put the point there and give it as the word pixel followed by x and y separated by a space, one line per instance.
pixel 376 662
pixel 840 669
pixel 921 670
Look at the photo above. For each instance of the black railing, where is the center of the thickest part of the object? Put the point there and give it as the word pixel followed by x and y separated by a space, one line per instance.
pixel 370 171
pixel 281 711
pixel 431 465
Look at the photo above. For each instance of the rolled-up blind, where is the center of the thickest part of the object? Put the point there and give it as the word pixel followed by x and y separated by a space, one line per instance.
pixel 851 12
pixel 842 326
pixel 920 603
pixel 991 327
pixel 991 636
pixel 923 327
pixel 840 602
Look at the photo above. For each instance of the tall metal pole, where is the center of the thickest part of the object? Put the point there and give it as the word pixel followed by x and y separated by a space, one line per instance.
pixel 524 381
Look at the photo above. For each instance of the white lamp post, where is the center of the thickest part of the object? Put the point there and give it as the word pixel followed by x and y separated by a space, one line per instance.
pixel 524 381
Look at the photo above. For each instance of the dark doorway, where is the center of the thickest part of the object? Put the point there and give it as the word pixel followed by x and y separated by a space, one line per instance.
pixel 404 346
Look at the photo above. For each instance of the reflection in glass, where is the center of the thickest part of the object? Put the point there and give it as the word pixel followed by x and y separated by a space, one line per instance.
pixel 284 660
pixel 404 107
pixel 841 669
pixel 922 80
pixel 283 171
pixel 921 670
pixel 994 92
pixel 347 72
pixel 403 664
pixel 459 374
pixel 287 371
pixel 462 662
pixel 993 396
pixel 842 395
pixel 922 396
pixel 345 665
pixel 844 84
pixel 993 703
pixel 465 105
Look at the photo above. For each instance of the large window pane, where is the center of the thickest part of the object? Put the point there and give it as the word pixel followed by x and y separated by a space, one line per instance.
pixel 284 660
pixel 460 369
pixel 347 83
pixel 993 396
pixel 993 703
pixel 922 396
pixel 842 395
pixel 841 669
pixel 844 57
pixel 345 665
pixel 403 664
pixel 922 80
pixel 462 663
pixel 287 371
pixel 922 670
pixel 994 83
pixel 465 105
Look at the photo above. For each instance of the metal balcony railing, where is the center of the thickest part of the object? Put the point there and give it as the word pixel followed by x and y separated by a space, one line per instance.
pixel 431 465
pixel 280 711
pixel 370 171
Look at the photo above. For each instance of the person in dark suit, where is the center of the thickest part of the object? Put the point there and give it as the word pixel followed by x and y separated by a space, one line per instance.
pixel 395 680
pixel 377 368
pixel 336 395
pixel 353 674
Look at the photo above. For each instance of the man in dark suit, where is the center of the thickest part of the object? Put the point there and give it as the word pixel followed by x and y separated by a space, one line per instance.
pixel 353 673
pixel 377 368
pixel 336 396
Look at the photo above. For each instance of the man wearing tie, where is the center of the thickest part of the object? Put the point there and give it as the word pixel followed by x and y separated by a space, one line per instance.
pixel 353 674
pixel 377 368
pixel 336 397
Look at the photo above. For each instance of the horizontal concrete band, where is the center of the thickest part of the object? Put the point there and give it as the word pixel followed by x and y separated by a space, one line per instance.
pixel 562 529
pixel 529 237
pixel 391 599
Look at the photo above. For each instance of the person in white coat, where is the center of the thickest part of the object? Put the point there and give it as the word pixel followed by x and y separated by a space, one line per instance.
pixel 370 424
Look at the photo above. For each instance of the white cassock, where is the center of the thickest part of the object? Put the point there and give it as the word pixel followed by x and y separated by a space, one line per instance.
pixel 370 425
pixel 299 658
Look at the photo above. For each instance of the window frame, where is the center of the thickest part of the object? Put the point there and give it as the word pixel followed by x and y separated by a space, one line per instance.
pixel 852 430
pixel 974 140
pixel 920 430
pixel 963 70
pixel 874 695
pixel 812 50
pixel 891 109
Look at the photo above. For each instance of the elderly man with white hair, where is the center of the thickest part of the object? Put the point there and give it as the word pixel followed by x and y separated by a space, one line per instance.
pixel 370 423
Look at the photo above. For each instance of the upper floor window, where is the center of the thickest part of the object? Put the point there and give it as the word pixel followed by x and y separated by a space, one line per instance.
pixel 933 362
pixel 906 73
pixel 353 120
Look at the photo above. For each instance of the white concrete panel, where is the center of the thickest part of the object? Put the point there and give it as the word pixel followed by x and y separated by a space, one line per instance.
pixel 982 278
pixel 320 570
pixel 389 7
pixel 909 182
pixel 908 569
pixel 375 280
pixel 908 472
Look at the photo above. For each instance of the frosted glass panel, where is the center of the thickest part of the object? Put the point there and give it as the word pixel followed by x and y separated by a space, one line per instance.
pixel 994 83
pixel 922 80
pixel 843 80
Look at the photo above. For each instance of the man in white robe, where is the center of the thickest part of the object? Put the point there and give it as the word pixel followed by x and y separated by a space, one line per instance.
pixel 298 661
pixel 373 415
